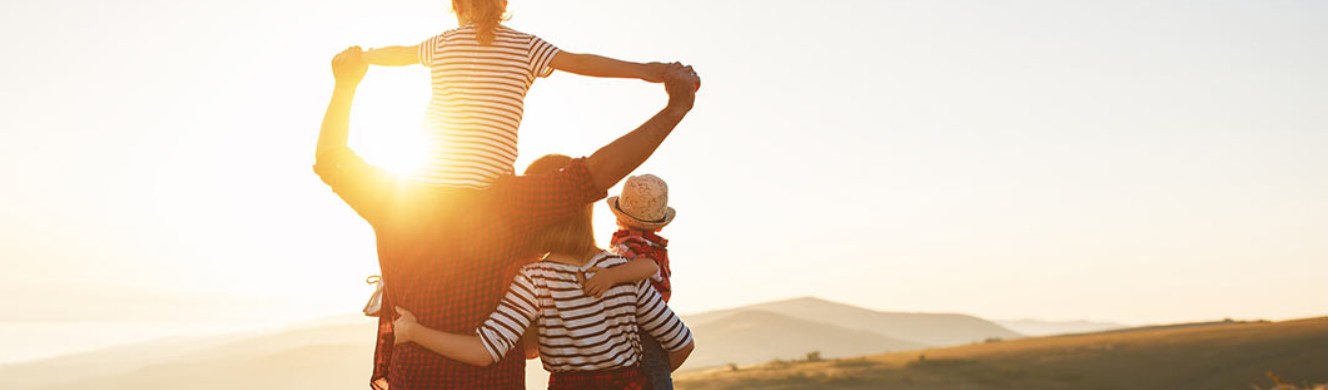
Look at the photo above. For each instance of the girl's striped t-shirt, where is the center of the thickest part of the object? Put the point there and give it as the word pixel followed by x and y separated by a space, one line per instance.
pixel 476 102
pixel 579 332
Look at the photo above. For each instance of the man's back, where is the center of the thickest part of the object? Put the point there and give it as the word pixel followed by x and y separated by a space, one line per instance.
pixel 448 256
pixel 451 276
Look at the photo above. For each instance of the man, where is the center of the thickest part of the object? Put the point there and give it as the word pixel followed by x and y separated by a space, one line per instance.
pixel 446 254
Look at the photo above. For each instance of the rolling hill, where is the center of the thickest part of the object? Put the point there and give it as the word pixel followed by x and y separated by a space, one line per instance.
pixel 747 337
pixel 326 356
pixel 1035 328
pixel 1220 355
pixel 923 329
pixel 335 354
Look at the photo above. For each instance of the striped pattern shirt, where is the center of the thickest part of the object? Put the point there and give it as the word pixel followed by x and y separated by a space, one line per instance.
pixel 476 102
pixel 578 332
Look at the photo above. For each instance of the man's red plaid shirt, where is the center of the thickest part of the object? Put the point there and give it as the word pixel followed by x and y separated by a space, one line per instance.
pixel 448 255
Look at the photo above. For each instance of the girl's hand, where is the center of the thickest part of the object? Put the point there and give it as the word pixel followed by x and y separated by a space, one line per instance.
pixel 403 325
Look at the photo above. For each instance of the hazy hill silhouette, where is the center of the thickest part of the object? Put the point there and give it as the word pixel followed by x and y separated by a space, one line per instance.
pixel 1030 327
pixel 337 354
pixel 111 361
pixel 1218 355
pixel 921 329
pixel 313 357
pixel 746 337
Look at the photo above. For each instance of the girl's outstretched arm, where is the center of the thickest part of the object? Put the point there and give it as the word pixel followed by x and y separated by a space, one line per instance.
pixel 463 348
pixel 393 56
pixel 598 66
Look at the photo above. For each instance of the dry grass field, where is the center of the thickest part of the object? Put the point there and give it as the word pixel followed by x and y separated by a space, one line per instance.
pixel 1221 355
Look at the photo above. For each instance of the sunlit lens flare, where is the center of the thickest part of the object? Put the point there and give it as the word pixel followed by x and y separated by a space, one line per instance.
pixel 386 124
pixel 401 157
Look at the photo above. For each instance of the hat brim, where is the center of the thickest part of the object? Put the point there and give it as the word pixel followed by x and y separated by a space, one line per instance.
pixel 633 222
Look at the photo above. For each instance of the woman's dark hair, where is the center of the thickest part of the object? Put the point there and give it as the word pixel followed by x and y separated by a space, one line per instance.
pixel 573 235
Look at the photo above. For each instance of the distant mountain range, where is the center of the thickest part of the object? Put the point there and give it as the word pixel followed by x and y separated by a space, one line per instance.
pixel 790 329
pixel 747 337
pixel 1034 328
pixel 336 354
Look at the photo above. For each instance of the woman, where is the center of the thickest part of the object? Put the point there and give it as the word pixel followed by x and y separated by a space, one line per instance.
pixel 585 342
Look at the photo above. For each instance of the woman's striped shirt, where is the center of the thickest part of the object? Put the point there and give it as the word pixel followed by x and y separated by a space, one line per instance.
pixel 579 332
pixel 476 102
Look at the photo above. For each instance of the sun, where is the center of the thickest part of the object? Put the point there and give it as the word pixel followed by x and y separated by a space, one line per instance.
pixel 397 147
pixel 386 120
pixel 403 156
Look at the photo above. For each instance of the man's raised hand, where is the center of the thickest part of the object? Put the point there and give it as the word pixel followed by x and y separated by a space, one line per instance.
pixel 349 66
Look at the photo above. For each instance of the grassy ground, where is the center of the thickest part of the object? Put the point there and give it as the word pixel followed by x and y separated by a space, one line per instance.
pixel 1209 356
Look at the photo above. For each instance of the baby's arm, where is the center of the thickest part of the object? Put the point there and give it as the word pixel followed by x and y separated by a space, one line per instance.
pixel 640 268
pixel 393 56
pixel 598 66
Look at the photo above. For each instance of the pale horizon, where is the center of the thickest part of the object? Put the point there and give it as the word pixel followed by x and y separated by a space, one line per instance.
pixel 1132 162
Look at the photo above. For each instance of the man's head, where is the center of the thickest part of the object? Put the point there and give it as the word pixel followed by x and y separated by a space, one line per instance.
pixel 573 235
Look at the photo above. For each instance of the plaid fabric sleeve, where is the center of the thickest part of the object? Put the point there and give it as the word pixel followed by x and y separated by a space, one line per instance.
pixel 504 328
pixel 362 186
pixel 529 203
pixel 656 318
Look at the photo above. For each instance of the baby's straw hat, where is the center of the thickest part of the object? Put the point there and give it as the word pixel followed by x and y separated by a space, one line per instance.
pixel 643 204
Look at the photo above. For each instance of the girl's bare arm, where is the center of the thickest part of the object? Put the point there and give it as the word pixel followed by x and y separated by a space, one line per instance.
pixel 393 56
pixel 598 66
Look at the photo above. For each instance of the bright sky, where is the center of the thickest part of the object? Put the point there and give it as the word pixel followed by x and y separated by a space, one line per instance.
pixel 1132 161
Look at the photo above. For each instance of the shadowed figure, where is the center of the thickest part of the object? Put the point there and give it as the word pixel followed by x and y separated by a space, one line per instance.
pixel 447 254
pixel 587 338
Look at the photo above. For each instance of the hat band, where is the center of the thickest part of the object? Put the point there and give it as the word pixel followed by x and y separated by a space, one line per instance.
pixel 618 204
pixel 661 219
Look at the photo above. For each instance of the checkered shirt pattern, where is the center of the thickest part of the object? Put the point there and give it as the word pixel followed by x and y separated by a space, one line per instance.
pixel 634 243
pixel 447 255
pixel 627 378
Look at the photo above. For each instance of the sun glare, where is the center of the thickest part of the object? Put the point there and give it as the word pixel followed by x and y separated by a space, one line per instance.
pixel 402 157
pixel 386 126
